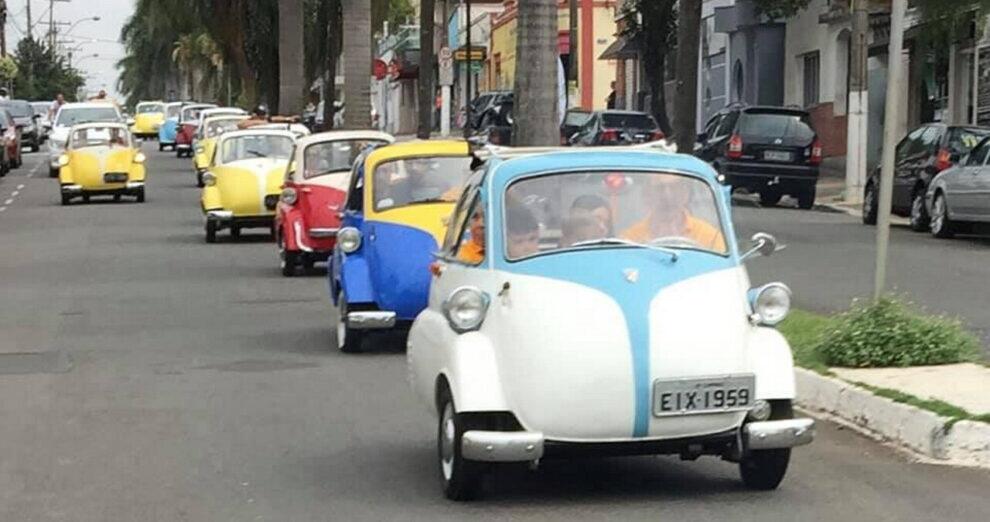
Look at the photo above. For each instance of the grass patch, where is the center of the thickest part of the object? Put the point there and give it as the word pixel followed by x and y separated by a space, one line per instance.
pixel 941 408
pixel 802 330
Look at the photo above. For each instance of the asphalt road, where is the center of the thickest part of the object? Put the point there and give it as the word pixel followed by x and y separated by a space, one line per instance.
pixel 830 260
pixel 146 375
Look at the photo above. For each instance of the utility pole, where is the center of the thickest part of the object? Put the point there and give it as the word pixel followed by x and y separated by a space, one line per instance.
pixel 3 28
pixel 467 77
pixel 572 56
pixel 894 79
pixel 857 107
pixel 29 24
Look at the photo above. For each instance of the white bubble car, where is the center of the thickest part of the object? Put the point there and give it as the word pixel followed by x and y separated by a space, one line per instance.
pixel 596 302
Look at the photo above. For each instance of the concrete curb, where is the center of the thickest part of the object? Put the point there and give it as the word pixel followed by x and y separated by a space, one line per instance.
pixel 922 432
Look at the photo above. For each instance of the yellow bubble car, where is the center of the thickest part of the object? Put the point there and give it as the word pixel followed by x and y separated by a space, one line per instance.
pixel 101 159
pixel 148 118
pixel 244 180
pixel 206 140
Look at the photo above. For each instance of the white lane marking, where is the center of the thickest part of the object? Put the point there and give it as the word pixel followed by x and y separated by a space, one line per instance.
pixel 2 209
pixel 19 187
pixel 9 201
pixel 15 193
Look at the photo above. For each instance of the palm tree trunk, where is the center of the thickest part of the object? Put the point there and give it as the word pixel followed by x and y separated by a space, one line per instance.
pixel 333 45
pixel 291 56
pixel 228 15
pixel 688 35
pixel 357 63
pixel 536 116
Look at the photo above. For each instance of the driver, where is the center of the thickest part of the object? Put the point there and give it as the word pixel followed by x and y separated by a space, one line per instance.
pixel 668 199
pixel 472 249
pixel 260 116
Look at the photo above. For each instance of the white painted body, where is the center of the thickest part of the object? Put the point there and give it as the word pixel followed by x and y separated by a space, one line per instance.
pixel 557 354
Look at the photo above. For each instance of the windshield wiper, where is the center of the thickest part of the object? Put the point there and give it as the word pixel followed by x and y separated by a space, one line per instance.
pixel 328 171
pixel 257 154
pixel 619 241
pixel 427 201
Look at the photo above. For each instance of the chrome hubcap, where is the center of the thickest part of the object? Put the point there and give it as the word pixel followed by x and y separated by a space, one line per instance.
pixel 917 209
pixel 447 432
pixel 939 214
pixel 868 202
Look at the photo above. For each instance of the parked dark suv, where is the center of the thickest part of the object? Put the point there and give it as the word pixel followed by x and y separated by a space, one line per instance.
pixel 617 128
pixel 769 150
pixel 922 154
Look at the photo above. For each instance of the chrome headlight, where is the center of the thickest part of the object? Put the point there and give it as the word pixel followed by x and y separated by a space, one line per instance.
pixel 289 196
pixel 349 239
pixel 209 179
pixel 63 160
pixel 140 157
pixel 771 303
pixel 465 308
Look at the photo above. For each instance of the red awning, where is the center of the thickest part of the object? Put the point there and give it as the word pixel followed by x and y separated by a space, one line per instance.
pixel 564 42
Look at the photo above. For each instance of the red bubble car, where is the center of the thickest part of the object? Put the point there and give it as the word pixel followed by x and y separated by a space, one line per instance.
pixel 307 217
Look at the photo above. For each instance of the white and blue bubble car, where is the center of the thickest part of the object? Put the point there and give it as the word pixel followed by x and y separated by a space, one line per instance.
pixel 596 302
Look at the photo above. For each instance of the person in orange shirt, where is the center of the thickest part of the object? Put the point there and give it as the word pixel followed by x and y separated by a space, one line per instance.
pixel 668 197
pixel 472 249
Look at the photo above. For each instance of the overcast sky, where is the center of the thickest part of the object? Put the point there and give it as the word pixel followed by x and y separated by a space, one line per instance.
pixel 100 71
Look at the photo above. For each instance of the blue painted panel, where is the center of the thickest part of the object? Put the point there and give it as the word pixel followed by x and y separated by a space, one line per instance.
pixel 168 130
pixel 399 260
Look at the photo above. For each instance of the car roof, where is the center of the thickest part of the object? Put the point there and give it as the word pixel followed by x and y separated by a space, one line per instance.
pixel 99 125
pixel 344 135
pixel 225 116
pixel 88 105
pixel 256 132
pixel 505 171
pixel 420 148
pixel 150 102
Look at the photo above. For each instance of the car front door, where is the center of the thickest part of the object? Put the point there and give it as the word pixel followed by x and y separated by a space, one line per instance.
pixel 705 149
pixel 908 159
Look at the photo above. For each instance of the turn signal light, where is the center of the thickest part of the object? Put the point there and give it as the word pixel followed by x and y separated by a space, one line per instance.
pixel 735 147
pixel 943 160
pixel 816 152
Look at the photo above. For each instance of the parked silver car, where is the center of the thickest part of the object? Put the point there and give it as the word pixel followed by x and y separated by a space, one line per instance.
pixel 958 199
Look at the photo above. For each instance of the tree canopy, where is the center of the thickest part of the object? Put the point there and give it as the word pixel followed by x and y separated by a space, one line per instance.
pixel 41 74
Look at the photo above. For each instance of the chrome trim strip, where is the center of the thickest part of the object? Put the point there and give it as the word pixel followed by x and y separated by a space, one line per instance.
pixel 371 320
pixel 297 228
pixel 778 434
pixel 323 232
pixel 219 214
pixel 502 446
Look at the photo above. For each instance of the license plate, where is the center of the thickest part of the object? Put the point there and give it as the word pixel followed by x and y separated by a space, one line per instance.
pixel 776 155
pixel 114 177
pixel 702 395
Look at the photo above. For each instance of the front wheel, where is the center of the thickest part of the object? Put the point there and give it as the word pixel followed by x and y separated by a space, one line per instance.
pixel 919 214
pixel 765 469
pixel 211 231
pixel 942 226
pixel 460 478
pixel 66 199
pixel 140 196
pixel 199 179
pixel 348 339
pixel 52 173
pixel 288 260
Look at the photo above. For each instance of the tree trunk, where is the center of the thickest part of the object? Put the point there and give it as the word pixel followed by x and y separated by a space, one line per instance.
pixel 333 54
pixel 658 92
pixel 228 17
pixel 686 108
pixel 426 75
pixel 536 115
pixel 292 72
pixel 357 63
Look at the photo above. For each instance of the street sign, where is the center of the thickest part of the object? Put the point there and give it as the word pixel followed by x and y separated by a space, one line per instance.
pixel 446 73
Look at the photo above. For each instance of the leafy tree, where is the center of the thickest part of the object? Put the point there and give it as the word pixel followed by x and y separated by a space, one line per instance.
pixel 780 9
pixel 42 74
pixel 652 24
pixel 8 69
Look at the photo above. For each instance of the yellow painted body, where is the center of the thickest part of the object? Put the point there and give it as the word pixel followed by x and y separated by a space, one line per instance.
pixel 202 159
pixel 87 166
pixel 147 123
pixel 241 186
pixel 428 217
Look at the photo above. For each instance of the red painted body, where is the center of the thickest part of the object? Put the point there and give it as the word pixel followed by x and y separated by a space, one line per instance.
pixel 12 140
pixel 316 207
pixel 185 134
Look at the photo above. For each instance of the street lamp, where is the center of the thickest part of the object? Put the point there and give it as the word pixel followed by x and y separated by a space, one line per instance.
pixel 94 55
pixel 81 20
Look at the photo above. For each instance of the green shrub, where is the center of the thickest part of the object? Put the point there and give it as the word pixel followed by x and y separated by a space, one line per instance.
pixel 890 332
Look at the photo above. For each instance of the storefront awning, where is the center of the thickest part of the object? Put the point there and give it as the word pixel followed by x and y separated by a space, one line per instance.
pixel 621 49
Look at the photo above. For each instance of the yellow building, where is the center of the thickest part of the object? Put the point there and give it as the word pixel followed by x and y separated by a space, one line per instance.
pixel 596 30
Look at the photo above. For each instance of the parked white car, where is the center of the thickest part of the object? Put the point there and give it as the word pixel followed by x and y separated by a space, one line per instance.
pixel 75 114
pixel 596 302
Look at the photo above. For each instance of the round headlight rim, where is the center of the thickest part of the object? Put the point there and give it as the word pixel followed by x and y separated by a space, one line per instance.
pixel 485 301
pixel 759 292
pixel 289 196
pixel 209 179
pixel 349 236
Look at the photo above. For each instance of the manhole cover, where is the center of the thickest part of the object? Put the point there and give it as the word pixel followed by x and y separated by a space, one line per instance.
pixel 42 362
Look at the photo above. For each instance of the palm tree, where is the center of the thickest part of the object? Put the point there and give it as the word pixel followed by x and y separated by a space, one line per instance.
pixel 536 116
pixel 290 56
pixel 357 63
pixel 185 54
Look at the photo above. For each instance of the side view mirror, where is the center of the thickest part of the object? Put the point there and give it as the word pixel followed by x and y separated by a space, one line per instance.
pixel 764 245
pixel 573 139
pixel 702 137
pixel 47 125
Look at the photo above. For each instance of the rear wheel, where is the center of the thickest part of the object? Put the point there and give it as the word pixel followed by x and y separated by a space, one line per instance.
pixel 461 479
pixel 140 196
pixel 66 199
pixel 211 231
pixel 52 173
pixel 199 179
pixel 161 147
pixel 870 204
pixel 288 260
pixel 765 469
pixel 806 198
pixel 348 339
pixel 942 226
pixel 35 147
pixel 919 214
pixel 116 198
pixel 769 197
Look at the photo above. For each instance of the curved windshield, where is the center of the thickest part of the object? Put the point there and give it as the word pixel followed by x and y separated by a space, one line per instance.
pixel 611 209
pixel 254 147
pixel 218 127
pixel 192 113
pixel 149 108
pixel 41 108
pixel 172 111
pixel 19 109
pixel 332 156
pixel 75 116
pixel 420 180
pixel 100 137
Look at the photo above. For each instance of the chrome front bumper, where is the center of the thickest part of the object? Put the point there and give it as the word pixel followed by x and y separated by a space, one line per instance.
pixel 371 320
pixel 778 434
pixel 321 233
pixel 130 185
pixel 502 446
